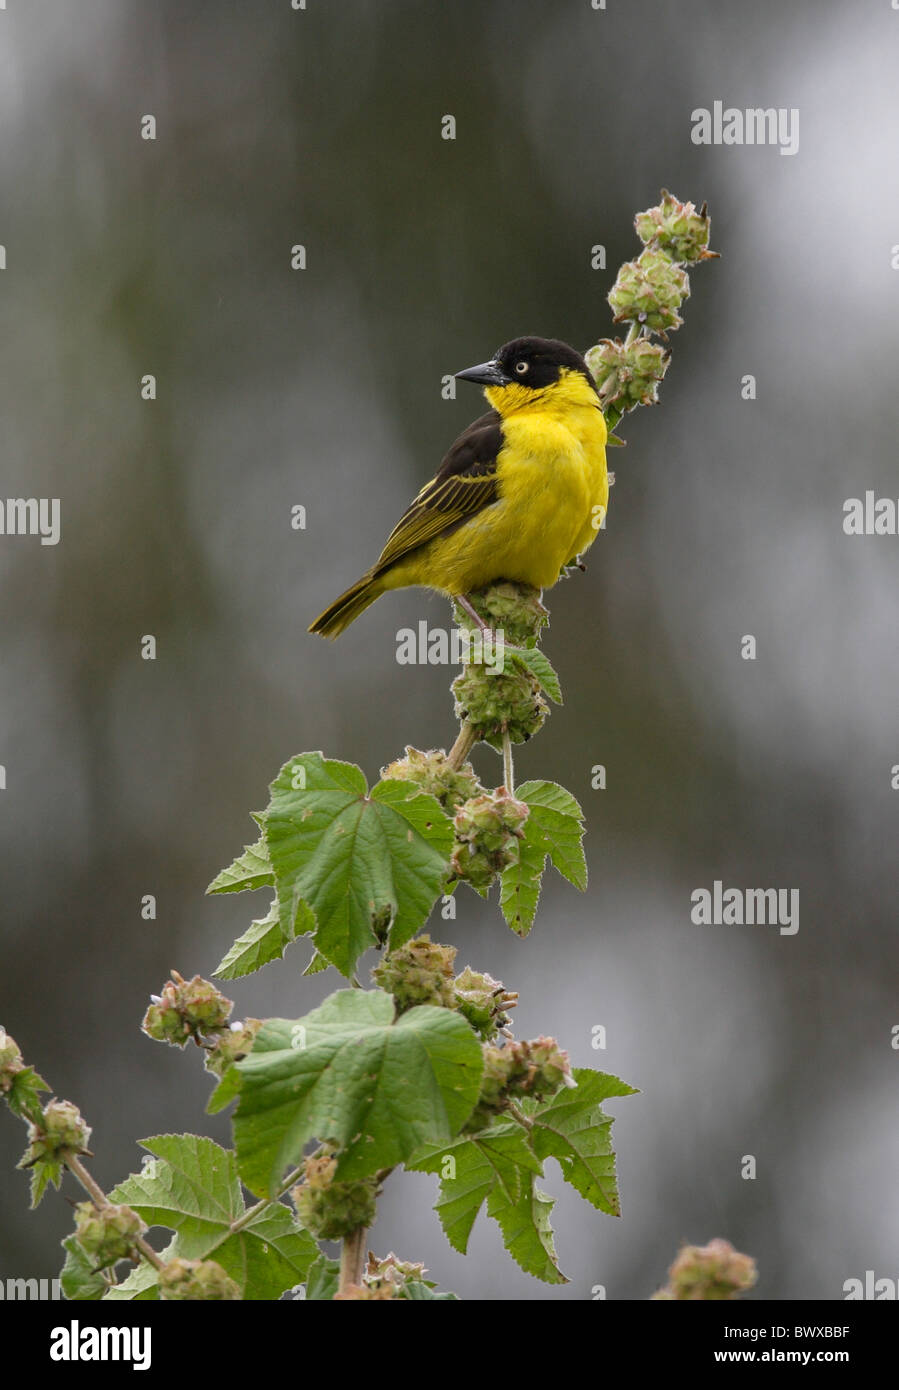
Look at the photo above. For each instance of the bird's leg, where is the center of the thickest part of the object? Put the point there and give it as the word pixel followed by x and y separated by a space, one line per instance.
pixel 464 602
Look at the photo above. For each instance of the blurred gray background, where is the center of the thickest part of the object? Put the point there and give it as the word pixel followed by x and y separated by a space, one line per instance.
pixel 322 388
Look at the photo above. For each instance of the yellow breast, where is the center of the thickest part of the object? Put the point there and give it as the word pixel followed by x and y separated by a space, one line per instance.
pixel 553 490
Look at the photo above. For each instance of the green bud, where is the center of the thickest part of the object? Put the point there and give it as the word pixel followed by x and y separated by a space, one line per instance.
pixel 60 1132
pixel 483 1001
pixel 649 291
pixel 331 1210
pixel 513 609
pixel 185 1009
pixel 421 972
pixel 11 1061
pixel 628 374
pixel 488 830
pixel 434 775
pixel 497 702
pixel 676 228
pixel 200 1280
pixel 537 1069
pixel 715 1272
pixel 107 1233
pixel 231 1046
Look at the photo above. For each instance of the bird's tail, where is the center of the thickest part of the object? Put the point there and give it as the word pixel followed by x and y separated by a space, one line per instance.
pixel 346 609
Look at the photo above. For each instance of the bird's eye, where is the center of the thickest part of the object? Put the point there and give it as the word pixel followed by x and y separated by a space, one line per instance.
pixel 521 367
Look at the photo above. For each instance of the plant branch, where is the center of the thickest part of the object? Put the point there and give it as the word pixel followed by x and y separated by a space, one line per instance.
pixel 508 769
pixel 462 747
pixel 352 1258
pixel 100 1200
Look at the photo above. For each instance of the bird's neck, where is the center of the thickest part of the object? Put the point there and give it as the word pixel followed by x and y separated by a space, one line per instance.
pixel 570 391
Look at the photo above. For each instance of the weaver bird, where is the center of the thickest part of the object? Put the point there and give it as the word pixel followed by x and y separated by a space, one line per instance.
pixel 520 494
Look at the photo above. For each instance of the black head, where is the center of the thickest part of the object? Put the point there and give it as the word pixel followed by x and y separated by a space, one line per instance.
pixel 530 362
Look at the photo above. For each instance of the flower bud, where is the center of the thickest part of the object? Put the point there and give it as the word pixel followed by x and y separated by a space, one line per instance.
pixel 331 1210
pixel 60 1132
pixel 488 830
pixel 184 1009
pixel 231 1046
pixel 421 972
pixel 11 1062
pixel 676 228
pixel 498 702
pixel 483 1001
pixel 513 609
pixel 649 291
pixel 198 1280
pixel 434 775
pixel 628 374
pixel 107 1233
pixel 713 1271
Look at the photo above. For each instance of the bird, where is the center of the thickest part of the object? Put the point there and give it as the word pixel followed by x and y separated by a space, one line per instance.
pixel 519 496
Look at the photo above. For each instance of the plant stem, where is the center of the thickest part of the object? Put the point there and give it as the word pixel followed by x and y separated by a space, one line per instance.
pixel 462 747
pixel 352 1258
pixel 252 1212
pixel 100 1199
pixel 508 769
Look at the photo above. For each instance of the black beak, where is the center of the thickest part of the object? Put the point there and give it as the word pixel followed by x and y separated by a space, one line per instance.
pixel 486 374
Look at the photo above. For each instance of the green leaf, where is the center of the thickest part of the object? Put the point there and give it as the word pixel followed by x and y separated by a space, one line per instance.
pixel 350 1074
pixel 572 1128
pixel 348 861
pixel 249 870
pixel 141 1284
pixel 498 1159
pixel 323 1279
pixel 43 1173
pixel 80 1281
pixel 263 942
pixel 527 1233
pixel 227 1088
pixel 23 1096
pixel 554 828
pixel 191 1186
pixel 317 964
pixel 540 667
pixel 420 1291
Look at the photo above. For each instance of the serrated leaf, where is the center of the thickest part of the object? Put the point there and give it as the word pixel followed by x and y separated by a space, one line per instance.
pixel 141 1286
pixel 323 1279
pixel 226 1090
pixel 264 941
pixel 540 667
pixel 497 1159
pixel 520 883
pixel 419 1291
pixel 317 964
pixel 44 1173
pixel 191 1186
pixel 80 1281
pixel 573 1128
pixel 350 1074
pixel 249 870
pixel 527 1233
pixel 23 1096
pixel 555 828
pixel 353 859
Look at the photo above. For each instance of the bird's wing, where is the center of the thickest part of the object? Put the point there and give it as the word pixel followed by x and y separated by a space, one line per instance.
pixel 464 484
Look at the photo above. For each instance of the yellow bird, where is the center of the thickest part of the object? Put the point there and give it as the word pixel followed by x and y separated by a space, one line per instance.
pixel 521 493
